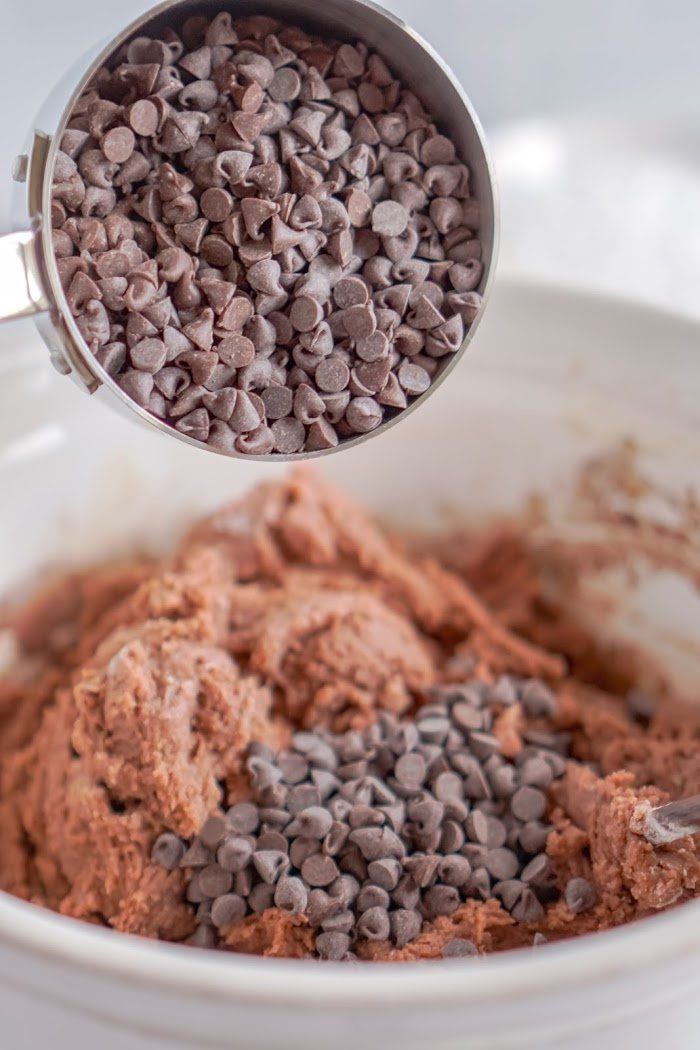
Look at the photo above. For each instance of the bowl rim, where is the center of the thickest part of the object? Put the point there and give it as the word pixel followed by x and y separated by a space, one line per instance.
pixel 227 978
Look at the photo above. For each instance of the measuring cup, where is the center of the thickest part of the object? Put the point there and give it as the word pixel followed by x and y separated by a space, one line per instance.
pixel 31 285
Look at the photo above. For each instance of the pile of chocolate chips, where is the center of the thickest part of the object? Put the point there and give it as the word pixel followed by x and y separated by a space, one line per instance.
pixel 262 235
pixel 370 834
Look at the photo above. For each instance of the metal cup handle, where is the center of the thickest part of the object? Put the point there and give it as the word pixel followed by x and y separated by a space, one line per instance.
pixel 21 291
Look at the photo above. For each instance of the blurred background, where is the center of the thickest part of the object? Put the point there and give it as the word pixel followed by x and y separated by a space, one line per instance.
pixel 592 112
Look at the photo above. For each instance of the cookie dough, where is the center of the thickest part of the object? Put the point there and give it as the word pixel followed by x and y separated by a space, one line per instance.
pixel 138 687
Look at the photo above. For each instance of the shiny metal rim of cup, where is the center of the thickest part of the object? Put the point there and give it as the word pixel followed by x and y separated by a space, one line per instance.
pixel 29 256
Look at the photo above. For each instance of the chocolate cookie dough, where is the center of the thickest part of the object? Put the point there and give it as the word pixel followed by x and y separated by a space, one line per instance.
pixel 143 692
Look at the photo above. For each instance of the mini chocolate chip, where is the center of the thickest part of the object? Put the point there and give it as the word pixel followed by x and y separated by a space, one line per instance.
pixel 410 770
pixel 214 830
pixel 537 698
pixel 454 870
pixel 213 881
pixel 448 786
pixel 528 803
pixel 501 863
pixel 270 864
pixel 314 822
pixel 234 853
pixel 537 870
pixel 580 895
pixel 227 909
pixel 118 144
pixel 363 414
pixel 385 872
pixel 261 897
pixel 440 900
pixel 405 925
pixel 459 948
pixel 278 401
pixel 536 772
pixel 288 435
pixel 319 870
pixel 243 818
pixel 333 946
pixel 528 908
pixel 374 924
pixel 196 855
pixel 168 851
pixel 291 895
pixel 332 375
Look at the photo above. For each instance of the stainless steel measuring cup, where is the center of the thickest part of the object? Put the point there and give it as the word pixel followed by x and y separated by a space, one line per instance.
pixel 30 283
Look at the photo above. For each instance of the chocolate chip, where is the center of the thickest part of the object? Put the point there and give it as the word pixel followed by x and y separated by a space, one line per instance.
pixel 227 909
pixel 364 816
pixel 501 863
pixel 278 401
pixel 291 895
pixel 375 843
pixel 426 813
pixel 363 415
pixel 509 891
pixel 440 900
pixel 288 435
pixel 423 868
pixel 234 853
pixel 243 818
pixel 459 948
pixel 319 870
pixel 528 908
pixel 405 925
pixel 410 770
pixel 385 873
pixel 338 843
pixel 321 906
pixel 168 851
pixel 537 870
pixel 528 803
pixel 332 375
pixel 406 895
pixel 389 219
pixel 203 937
pixel 118 144
pixel 640 704
pixel 374 924
pixel 537 698
pixel 143 117
pixel 333 946
pixel 213 881
pixel 448 786
pixel 270 864
pixel 536 772
pixel 196 855
pixel 314 822
pixel 533 836
pixel 261 897
pixel 148 355
pixel 580 895
pixel 214 831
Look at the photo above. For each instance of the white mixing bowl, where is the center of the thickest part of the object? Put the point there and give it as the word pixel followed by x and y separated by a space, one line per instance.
pixel 554 377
